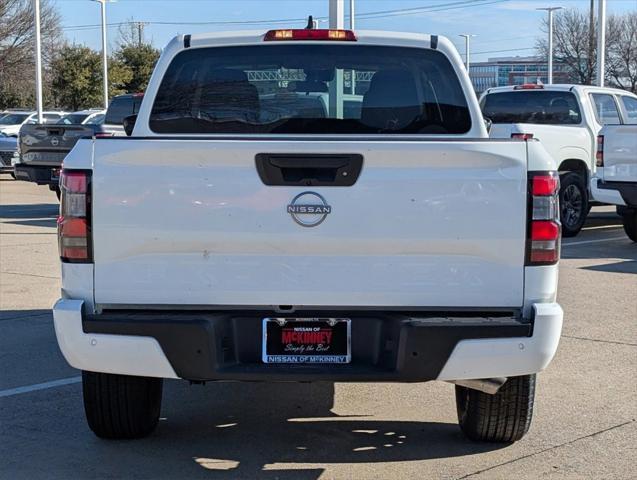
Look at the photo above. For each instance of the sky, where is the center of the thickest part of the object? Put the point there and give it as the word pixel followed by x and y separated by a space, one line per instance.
pixel 501 27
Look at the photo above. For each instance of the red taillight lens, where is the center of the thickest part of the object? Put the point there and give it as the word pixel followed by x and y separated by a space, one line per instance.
pixel 599 154
pixel 543 229
pixel 104 135
pixel 522 136
pixel 309 34
pixel 74 222
pixel 544 185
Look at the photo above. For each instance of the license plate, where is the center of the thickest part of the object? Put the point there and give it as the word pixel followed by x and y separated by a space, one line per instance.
pixel 306 340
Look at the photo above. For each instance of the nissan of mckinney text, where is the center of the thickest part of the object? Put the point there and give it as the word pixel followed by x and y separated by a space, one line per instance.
pixel 309 205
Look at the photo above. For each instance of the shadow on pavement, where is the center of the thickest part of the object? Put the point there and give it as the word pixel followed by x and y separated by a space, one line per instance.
pixel 17 314
pixel 628 266
pixel 34 210
pixel 30 215
pixel 259 430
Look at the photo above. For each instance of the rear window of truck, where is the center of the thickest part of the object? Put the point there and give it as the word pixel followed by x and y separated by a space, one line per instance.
pixel 323 89
pixel 122 107
pixel 532 106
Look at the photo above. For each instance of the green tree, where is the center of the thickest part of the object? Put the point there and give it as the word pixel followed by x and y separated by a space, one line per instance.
pixel 77 77
pixel 140 61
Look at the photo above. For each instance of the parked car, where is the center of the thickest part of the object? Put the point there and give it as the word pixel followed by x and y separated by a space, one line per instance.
pixel 12 120
pixel 83 117
pixel 43 147
pixel 615 181
pixel 8 153
pixel 220 243
pixel 567 120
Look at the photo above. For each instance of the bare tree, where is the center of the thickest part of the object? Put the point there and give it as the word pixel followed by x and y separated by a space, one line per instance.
pixel 17 64
pixel 572 44
pixel 575 44
pixel 131 34
pixel 621 69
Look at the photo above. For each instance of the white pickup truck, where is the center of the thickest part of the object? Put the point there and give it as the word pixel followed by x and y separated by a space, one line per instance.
pixel 234 239
pixel 567 120
pixel 615 181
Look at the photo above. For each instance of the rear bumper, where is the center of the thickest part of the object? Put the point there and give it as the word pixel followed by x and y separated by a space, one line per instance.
pixel 615 193
pixel 385 346
pixel 42 175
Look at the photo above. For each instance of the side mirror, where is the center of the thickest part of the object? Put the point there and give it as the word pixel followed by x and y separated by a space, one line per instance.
pixel 488 123
pixel 129 124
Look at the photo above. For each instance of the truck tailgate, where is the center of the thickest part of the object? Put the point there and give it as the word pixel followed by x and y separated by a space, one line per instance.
pixel 49 144
pixel 427 223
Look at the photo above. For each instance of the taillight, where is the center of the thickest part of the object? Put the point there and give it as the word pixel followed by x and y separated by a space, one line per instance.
pixel 599 154
pixel 74 222
pixel 543 228
pixel 104 135
pixel 309 34
pixel 522 136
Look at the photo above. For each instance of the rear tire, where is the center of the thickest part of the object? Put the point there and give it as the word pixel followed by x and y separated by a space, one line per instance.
pixel 573 203
pixel 629 219
pixel 121 406
pixel 503 417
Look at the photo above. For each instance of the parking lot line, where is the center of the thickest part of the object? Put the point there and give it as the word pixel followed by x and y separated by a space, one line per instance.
pixel 601 240
pixel 39 386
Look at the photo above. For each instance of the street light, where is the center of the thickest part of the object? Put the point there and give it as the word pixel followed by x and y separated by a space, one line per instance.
pixel 550 10
pixel 467 40
pixel 38 61
pixel 104 52
pixel 601 42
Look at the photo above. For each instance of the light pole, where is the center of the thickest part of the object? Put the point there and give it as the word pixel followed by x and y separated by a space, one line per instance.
pixel 601 42
pixel 104 52
pixel 467 41
pixel 337 21
pixel 38 60
pixel 550 10
pixel 351 14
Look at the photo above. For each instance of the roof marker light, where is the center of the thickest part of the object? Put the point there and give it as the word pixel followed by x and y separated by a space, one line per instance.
pixel 309 34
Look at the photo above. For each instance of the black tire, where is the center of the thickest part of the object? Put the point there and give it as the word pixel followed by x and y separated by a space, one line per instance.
pixel 121 406
pixel 573 203
pixel 503 417
pixel 58 192
pixel 629 219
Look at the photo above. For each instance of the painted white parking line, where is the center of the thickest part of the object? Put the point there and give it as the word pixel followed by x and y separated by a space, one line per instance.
pixel 39 386
pixel 601 240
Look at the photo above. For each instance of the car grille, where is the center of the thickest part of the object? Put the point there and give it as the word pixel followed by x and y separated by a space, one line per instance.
pixel 5 158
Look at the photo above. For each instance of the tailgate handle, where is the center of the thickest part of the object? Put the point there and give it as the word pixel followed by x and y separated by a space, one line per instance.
pixel 326 170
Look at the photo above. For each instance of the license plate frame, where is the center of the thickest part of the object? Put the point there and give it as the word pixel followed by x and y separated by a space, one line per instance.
pixel 324 325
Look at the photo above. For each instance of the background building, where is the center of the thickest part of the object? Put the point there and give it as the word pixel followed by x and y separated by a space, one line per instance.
pixel 502 71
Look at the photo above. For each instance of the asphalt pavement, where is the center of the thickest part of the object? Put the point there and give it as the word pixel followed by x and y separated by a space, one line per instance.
pixel 584 424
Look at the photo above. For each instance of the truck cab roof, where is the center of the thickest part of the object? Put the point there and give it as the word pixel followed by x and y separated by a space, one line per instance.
pixel 560 87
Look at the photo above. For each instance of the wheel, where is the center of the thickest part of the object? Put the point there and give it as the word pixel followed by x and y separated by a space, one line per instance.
pixel 121 406
pixel 58 192
pixel 503 417
pixel 573 203
pixel 629 219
